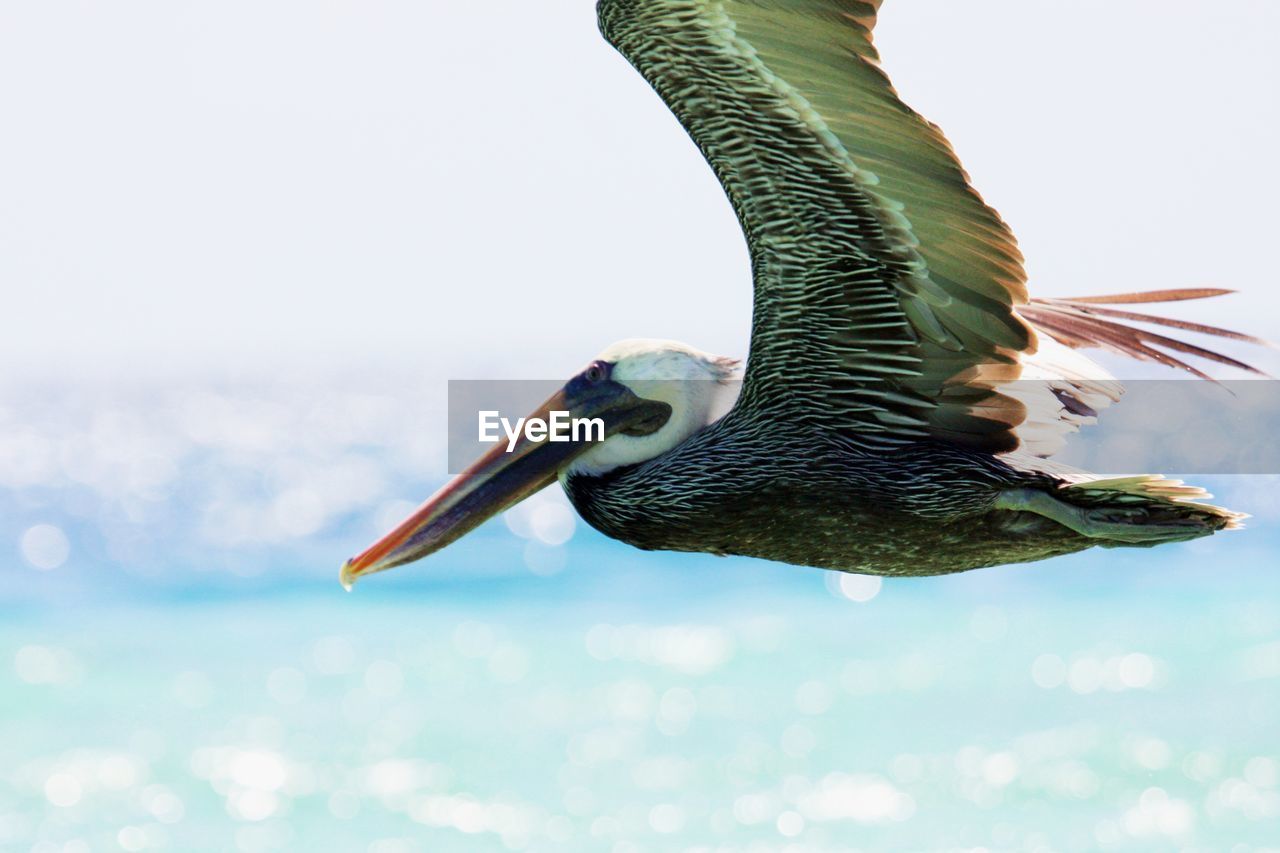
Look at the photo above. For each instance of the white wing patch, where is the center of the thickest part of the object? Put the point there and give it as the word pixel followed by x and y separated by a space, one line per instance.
pixel 1062 391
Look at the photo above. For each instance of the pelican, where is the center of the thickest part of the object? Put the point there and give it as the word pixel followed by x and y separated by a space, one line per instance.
pixel 902 391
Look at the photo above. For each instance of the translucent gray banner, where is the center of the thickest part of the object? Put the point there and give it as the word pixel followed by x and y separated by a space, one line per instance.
pixel 1174 426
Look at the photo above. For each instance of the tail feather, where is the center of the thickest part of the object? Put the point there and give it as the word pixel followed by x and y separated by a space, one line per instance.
pixel 1152 499
pixel 1146 509
pixel 1079 322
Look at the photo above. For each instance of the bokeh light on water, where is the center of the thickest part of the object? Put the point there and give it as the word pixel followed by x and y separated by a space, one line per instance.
pixel 527 725
pixel 180 671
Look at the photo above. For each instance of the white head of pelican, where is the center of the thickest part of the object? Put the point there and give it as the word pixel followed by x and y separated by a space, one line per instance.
pixel 698 388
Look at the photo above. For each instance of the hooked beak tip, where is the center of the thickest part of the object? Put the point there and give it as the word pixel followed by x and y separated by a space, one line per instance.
pixel 347 577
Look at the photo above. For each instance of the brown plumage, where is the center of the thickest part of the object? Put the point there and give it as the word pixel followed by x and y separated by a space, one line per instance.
pixel 1079 322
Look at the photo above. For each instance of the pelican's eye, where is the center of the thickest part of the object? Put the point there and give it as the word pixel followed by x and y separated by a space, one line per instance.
pixel 597 372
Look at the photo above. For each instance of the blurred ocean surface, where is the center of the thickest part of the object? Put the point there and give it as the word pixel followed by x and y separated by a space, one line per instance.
pixel 179 669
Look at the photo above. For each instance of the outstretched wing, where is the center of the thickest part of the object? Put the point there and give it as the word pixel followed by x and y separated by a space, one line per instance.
pixel 885 289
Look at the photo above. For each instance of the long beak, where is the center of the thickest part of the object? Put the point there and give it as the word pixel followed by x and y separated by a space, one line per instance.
pixel 501 478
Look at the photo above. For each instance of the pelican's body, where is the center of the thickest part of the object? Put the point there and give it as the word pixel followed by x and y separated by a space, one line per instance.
pixel 769 484
pixel 823 502
pixel 902 390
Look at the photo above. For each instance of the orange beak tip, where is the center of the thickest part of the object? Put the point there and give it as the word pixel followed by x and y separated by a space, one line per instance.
pixel 347 577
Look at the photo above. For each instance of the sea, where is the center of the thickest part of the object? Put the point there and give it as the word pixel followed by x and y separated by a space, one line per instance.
pixel 181 670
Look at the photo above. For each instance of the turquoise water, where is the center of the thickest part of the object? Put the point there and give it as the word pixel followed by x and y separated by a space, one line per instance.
pixel 179 670
pixel 652 715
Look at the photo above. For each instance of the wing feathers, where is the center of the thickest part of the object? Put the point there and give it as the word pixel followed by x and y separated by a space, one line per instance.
pixel 1089 306
pixel 1177 295
pixel 1077 324
pixel 874 259
pixel 881 277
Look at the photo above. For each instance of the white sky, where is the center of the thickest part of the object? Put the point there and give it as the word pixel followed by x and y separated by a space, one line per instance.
pixel 487 189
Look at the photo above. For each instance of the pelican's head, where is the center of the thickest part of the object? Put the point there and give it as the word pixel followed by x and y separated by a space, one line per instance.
pixel 695 386
pixel 648 397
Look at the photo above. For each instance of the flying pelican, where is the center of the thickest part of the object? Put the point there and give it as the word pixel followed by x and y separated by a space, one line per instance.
pixel 902 390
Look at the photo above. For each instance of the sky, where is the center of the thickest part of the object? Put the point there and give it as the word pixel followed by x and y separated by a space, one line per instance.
pixel 489 190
